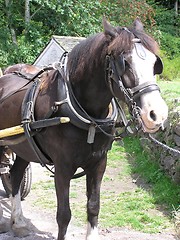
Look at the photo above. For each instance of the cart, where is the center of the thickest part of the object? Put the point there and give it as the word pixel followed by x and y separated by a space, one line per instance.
pixel 6 162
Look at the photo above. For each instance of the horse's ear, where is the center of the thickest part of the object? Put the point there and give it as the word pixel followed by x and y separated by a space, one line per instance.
pixel 109 30
pixel 138 24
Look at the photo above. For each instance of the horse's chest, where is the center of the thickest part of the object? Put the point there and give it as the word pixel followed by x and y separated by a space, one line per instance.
pixel 85 152
pixel 81 138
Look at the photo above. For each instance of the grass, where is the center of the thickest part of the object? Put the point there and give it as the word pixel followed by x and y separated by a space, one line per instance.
pixel 145 208
pixel 44 192
pixel 148 207
pixel 132 210
pixel 164 191
pixel 170 90
pixel 139 209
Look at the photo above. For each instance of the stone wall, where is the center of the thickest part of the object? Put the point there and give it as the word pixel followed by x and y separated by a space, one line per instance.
pixel 168 161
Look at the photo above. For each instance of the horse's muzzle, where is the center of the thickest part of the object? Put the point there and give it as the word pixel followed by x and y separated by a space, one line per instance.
pixel 154 112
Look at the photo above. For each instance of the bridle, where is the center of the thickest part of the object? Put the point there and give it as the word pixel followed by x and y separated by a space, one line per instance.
pixel 115 69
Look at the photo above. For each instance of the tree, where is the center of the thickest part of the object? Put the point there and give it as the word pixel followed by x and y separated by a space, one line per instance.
pixel 29 24
pixel 8 4
pixel 27 12
pixel 176 7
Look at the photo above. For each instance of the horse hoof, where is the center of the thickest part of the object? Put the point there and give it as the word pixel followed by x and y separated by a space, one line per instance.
pixel 4 227
pixel 22 231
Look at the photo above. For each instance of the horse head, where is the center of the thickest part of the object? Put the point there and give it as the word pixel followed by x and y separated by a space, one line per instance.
pixel 132 63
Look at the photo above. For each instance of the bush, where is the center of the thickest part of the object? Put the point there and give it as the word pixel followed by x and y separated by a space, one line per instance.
pixel 167 21
pixel 171 68
pixel 171 56
pixel 3 59
pixel 170 44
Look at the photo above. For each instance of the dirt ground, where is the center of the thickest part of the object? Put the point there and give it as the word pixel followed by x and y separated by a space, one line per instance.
pixel 43 224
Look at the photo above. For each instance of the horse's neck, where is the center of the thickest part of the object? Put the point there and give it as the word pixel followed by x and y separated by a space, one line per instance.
pixel 93 94
pixel 87 74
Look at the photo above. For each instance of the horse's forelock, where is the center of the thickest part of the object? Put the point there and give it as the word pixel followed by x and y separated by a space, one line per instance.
pixel 147 41
pixel 121 43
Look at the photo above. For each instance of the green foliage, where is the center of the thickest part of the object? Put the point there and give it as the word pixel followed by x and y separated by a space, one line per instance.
pixel 171 68
pixel 167 21
pixel 4 60
pixel 170 44
pixel 168 30
pixel 171 56
pixel 124 12
pixel 168 35
pixel 68 17
pixel 78 18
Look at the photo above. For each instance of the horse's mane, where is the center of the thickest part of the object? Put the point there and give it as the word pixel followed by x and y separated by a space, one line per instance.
pixel 88 54
pixel 91 52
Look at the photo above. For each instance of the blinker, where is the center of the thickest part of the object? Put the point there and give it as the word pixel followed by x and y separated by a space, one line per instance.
pixel 158 66
pixel 120 65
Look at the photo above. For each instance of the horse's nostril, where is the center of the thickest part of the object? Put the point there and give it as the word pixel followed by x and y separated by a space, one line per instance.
pixel 153 115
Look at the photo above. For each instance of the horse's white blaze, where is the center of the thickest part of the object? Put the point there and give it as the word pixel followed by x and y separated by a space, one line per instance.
pixel 143 63
pixel 92 233
pixel 154 109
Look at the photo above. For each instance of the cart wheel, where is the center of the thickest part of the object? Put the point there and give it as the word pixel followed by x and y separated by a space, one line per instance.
pixel 25 184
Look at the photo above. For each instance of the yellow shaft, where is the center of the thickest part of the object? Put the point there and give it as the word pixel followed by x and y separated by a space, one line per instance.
pixel 11 131
pixel 19 129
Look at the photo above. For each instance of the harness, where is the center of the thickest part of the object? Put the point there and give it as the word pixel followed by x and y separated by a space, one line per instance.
pixel 78 116
pixel 70 107
pixel 114 73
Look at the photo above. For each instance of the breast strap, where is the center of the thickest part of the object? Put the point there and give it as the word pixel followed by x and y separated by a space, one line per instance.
pixel 71 108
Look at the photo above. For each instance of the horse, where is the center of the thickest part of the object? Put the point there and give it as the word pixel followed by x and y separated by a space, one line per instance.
pixel 118 63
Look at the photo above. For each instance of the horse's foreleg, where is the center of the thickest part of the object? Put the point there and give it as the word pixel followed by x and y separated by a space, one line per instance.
pixel 62 183
pixel 94 179
pixel 19 225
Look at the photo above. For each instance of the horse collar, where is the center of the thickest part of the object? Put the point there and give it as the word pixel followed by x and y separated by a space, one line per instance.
pixel 70 107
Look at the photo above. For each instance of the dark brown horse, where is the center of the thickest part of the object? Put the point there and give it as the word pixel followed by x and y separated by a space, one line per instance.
pixel 118 62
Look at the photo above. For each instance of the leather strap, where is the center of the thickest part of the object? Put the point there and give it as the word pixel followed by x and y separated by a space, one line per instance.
pixel 143 88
